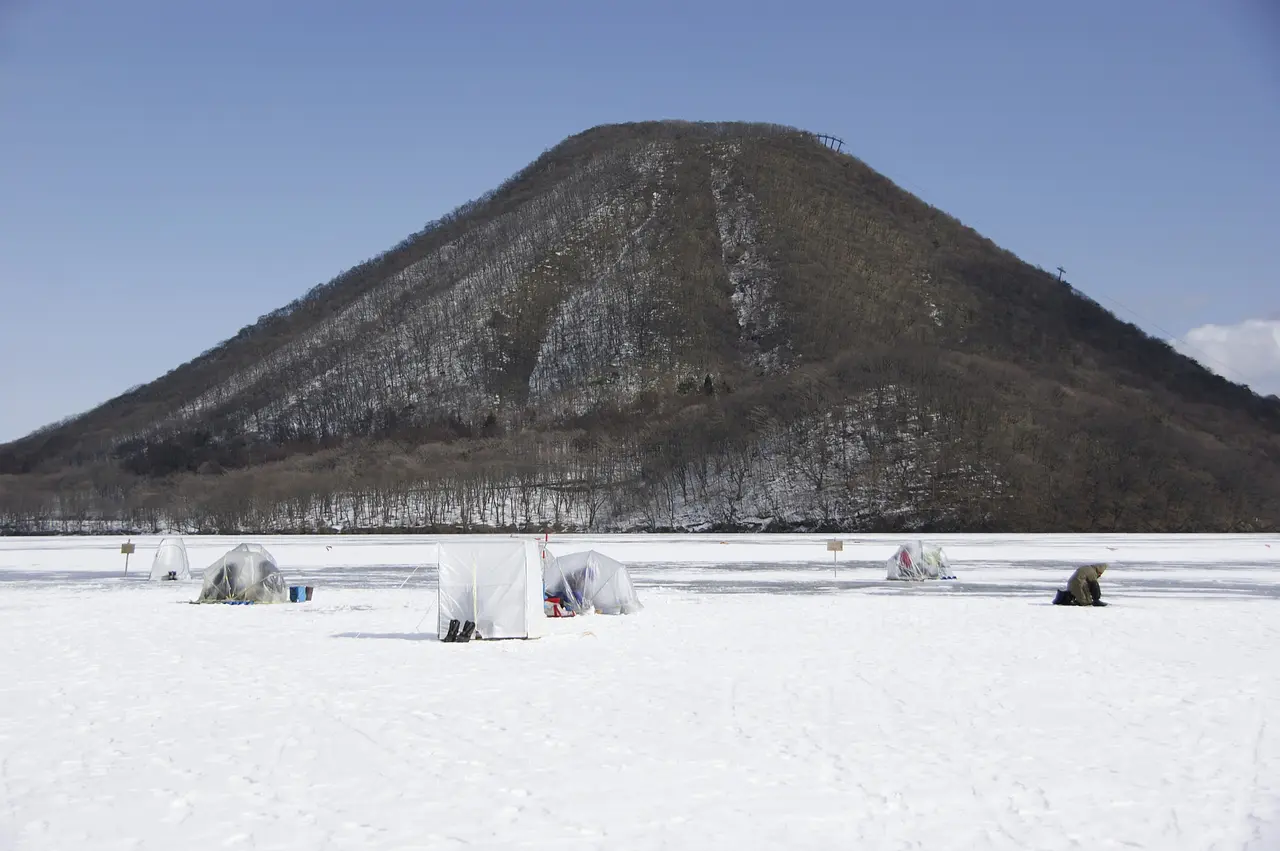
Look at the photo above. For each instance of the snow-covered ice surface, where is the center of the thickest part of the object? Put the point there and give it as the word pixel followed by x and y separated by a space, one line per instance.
pixel 762 699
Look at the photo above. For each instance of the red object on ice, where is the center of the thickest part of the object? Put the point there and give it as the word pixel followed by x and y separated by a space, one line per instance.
pixel 557 609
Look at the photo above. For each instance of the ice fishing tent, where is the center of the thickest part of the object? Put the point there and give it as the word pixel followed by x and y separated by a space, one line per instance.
pixel 496 584
pixel 590 581
pixel 171 557
pixel 247 573
pixel 917 561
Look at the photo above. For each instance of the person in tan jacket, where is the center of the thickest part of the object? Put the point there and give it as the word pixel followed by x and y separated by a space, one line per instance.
pixel 1083 589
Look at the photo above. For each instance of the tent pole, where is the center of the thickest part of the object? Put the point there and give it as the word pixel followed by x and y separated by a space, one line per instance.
pixel 419 626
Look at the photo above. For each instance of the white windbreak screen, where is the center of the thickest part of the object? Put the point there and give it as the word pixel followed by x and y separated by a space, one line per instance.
pixel 495 584
pixel 247 573
pixel 590 581
pixel 171 557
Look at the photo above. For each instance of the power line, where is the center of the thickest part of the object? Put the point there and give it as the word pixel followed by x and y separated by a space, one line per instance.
pixel 1181 341
pixel 1223 368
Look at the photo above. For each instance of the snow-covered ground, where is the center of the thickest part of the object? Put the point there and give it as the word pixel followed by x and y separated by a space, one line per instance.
pixel 764 698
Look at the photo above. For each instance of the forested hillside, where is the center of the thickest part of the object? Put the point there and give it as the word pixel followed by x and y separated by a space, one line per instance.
pixel 671 325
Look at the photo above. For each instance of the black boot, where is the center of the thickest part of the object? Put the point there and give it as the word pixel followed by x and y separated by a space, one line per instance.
pixel 452 634
pixel 467 629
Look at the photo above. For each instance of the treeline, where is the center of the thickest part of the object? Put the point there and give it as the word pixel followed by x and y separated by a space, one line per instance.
pixel 880 442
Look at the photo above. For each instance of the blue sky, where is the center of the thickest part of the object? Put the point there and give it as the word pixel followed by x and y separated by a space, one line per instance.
pixel 171 171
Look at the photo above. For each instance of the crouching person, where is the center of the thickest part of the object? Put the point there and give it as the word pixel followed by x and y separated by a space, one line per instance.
pixel 1083 589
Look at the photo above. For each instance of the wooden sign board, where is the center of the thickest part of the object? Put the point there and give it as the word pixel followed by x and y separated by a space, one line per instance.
pixel 127 549
pixel 835 546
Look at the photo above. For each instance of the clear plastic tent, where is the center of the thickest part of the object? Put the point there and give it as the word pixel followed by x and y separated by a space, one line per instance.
pixel 590 581
pixel 496 584
pixel 247 573
pixel 918 561
pixel 171 557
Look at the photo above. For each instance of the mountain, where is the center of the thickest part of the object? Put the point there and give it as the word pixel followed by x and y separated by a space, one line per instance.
pixel 673 325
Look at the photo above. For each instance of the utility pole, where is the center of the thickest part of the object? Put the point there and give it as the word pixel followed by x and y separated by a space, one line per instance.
pixel 1061 272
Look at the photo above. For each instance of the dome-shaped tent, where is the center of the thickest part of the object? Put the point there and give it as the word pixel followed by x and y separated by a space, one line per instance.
pixel 590 581
pixel 917 561
pixel 170 561
pixel 247 573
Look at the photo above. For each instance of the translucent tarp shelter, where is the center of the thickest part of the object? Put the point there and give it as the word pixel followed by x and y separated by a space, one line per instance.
pixel 590 581
pixel 496 584
pixel 247 573
pixel 171 557
pixel 917 561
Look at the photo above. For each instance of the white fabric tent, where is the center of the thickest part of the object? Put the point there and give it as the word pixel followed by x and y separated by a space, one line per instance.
pixel 917 561
pixel 247 573
pixel 496 584
pixel 171 557
pixel 590 581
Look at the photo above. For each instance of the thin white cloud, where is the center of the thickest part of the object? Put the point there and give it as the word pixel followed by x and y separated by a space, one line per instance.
pixel 1247 352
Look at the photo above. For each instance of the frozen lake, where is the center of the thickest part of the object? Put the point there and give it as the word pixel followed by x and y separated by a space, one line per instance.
pixel 764 698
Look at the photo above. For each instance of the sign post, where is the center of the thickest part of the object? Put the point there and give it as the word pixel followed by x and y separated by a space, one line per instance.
pixel 834 547
pixel 127 548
